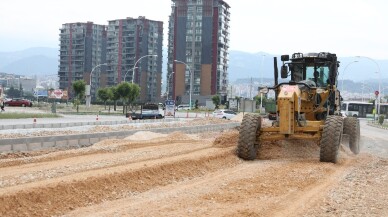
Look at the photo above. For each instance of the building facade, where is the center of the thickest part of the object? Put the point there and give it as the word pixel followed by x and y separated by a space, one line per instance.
pixel 82 49
pixel 198 44
pixel 134 54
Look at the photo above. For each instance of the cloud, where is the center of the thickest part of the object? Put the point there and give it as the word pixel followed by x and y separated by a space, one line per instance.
pixel 346 27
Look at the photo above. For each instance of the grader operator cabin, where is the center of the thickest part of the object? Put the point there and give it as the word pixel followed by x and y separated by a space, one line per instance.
pixel 307 108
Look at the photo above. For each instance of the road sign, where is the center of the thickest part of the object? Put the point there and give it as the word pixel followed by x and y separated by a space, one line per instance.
pixel 376 92
pixel 169 108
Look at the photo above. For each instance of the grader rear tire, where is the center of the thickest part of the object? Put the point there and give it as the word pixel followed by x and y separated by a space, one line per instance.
pixel 247 144
pixel 331 139
pixel 352 128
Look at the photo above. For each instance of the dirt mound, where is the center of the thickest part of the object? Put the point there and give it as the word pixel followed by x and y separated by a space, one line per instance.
pixel 101 129
pixel 145 135
pixel 208 120
pixel 15 155
pixel 288 149
pixel 226 139
pixel 178 136
pixel 63 196
pixel 238 117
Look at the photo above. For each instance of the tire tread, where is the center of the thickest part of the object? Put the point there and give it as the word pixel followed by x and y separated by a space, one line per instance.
pixel 247 145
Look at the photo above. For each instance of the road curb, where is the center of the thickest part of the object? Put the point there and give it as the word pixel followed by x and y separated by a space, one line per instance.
pixel 378 126
pixel 83 140
pixel 76 124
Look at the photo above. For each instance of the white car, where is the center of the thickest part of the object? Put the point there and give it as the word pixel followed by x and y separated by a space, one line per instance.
pixel 224 113
pixel 183 107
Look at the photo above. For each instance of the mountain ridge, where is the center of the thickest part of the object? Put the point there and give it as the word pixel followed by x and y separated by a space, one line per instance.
pixel 242 65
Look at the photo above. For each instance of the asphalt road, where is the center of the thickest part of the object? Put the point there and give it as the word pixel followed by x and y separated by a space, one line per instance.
pixel 374 140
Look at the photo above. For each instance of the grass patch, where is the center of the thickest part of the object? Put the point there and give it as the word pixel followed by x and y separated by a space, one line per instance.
pixel 7 115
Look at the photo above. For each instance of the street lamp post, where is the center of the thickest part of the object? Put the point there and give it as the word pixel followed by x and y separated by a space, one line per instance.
pixel 379 95
pixel 343 74
pixel 88 89
pixel 128 71
pixel 261 81
pixel 383 90
pixel 365 86
pixel 191 79
pixel 168 82
pixel 134 66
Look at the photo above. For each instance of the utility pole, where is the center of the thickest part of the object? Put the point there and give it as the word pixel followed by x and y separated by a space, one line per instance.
pixel 261 84
pixel 250 90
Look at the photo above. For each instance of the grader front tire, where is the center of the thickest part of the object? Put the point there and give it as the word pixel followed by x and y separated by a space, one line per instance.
pixel 352 128
pixel 331 139
pixel 247 144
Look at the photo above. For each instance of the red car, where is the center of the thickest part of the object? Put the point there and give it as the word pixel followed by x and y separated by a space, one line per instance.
pixel 18 102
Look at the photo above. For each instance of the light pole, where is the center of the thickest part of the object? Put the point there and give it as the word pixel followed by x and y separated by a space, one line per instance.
pixel 343 74
pixel 261 81
pixel 191 79
pixel 168 82
pixel 128 71
pixel 384 88
pixel 379 95
pixel 134 66
pixel 88 89
pixel 365 86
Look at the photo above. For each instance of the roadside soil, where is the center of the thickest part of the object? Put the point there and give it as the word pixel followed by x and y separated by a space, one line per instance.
pixel 176 174
pixel 36 132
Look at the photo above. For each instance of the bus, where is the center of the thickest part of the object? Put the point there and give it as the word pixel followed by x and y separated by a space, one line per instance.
pixel 362 109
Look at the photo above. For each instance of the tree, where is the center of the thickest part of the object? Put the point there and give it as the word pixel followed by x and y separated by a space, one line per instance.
pixel 79 92
pixel 258 100
pixel 104 94
pixel 115 96
pixel 216 101
pixel 128 93
pixel 20 90
pixel 124 91
pixel 196 104
pixel 134 92
pixel 12 92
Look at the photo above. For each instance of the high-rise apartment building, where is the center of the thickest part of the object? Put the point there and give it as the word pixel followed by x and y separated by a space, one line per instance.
pixel 82 48
pixel 134 54
pixel 198 40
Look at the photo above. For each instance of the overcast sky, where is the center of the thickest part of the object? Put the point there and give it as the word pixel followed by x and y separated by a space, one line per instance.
pixel 345 27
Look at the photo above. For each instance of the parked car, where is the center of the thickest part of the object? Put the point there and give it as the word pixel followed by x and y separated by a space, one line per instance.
pixel 225 114
pixel 183 107
pixel 18 102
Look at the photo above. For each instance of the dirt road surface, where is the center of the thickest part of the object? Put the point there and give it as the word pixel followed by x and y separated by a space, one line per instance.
pixel 149 174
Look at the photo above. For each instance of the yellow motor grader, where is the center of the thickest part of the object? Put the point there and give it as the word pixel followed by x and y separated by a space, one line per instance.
pixel 307 108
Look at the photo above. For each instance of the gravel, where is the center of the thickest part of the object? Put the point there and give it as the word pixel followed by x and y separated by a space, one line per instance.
pixel 36 132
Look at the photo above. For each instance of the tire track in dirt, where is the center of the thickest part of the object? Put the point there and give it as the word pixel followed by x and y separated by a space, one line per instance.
pixel 17 175
pixel 59 195
pixel 106 146
pixel 258 188
pixel 202 178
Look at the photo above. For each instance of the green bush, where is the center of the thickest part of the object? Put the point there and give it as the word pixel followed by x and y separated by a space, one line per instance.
pixel 8 115
pixel 381 119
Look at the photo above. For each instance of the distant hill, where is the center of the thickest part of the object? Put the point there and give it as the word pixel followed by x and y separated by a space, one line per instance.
pixel 32 61
pixel 242 65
